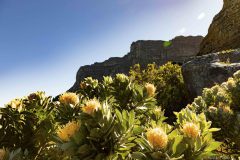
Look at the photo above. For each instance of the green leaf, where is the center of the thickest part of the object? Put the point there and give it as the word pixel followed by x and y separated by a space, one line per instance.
pixel 167 43
pixel 213 146
pixel 177 142
pixel 139 155
pixel 214 129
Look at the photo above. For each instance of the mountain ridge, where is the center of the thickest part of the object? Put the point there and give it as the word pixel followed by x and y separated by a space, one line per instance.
pixel 143 52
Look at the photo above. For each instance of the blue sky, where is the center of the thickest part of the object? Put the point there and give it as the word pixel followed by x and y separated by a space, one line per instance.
pixel 44 42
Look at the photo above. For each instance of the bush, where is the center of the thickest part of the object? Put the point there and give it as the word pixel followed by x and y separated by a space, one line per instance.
pixel 221 106
pixel 110 120
pixel 171 90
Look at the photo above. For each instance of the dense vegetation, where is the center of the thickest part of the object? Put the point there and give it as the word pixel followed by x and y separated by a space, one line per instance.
pixel 221 106
pixel 124 118
pixel 172 93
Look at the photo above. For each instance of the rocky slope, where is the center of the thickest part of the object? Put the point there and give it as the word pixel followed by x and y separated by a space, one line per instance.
pixel 143 52
pixel 224 32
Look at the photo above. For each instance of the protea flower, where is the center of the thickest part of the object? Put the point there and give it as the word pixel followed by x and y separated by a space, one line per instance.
pixel 16 104
pixel 157 138
pixel 121 77
pixel 151 89
pixel 231 83
pixel 191 130
pixel 212 109
pixel 68 131
pixel 91 106
pixel 227 109
pixel 69 98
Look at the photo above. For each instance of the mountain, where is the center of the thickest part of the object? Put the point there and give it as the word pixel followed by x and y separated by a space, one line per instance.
pixel 176 50
pixel 224 32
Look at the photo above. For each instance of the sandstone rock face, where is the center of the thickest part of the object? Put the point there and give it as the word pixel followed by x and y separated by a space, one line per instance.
pixel 142 52
pixel 224 32
pixel 207 70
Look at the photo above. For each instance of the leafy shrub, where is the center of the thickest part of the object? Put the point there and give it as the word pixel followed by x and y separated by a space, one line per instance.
pixel 171 91
pixel 221 106
pixel 110 120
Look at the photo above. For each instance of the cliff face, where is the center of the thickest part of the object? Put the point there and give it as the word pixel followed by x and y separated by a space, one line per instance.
pixel 224 32
pixel 142 52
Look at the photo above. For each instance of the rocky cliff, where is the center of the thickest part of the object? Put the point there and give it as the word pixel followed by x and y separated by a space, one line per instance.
pixel 177 50
pixel 224 32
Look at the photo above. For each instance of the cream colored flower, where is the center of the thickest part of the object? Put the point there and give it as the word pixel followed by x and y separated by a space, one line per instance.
pixel 91 106
pixel 157 138
pixel 237 75
pixel 69 98
pixel 16 104
pixel 225 108
pixel 231 83
pixel 151 89
pixel 157 110
pixel 2 154
pixel 191 130
pixel 212 109
pixel 68 131
pixel 122 77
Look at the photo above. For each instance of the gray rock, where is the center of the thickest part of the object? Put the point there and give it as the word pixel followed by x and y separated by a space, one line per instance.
pixel 142 52
pixel 208 70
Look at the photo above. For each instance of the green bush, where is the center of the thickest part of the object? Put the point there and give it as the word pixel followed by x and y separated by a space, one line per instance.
pixel 27 123
pixel 171 90
pixel 116 119
pixel 221 106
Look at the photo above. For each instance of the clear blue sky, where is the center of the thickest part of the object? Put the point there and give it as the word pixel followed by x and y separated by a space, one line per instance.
pixel 44 42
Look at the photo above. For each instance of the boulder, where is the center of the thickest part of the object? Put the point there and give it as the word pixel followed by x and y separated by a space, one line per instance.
pixel 208 70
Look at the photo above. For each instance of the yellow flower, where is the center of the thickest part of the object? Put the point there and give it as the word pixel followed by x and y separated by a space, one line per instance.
pixel 191 130
pixel 157 110
pixel 231 83
pixel 91 106
pixel 68 131
pixel 225 108
pixel 121 77
pixel 236 75
pixel 151 89
pixel 69 98
pixel 157 138
pixel 2 154
pixel 16 104
pixel 212 109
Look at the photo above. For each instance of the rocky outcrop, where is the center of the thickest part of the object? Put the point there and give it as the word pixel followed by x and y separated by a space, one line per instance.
pixel 143 52
pixel 205 71
pixel 224 32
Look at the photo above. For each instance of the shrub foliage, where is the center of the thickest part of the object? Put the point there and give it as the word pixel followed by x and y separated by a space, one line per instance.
pixel 221 106
pixel 172 93
pixel 123 118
